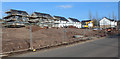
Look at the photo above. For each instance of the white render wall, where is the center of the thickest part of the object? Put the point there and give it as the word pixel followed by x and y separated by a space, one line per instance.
pixel 65 23
pixel 105 21
pixel 62 23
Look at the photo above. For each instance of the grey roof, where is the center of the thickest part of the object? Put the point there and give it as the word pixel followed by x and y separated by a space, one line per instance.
pixel 85 20
pixel 60 18
pixel 110 19
pixel 74 20
pixel 38 14
pixel 12 10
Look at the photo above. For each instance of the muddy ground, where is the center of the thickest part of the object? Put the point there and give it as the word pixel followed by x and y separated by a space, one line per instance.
pixel 18 38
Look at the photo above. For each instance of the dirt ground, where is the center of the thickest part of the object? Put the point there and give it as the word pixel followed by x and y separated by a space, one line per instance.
pixel 18 38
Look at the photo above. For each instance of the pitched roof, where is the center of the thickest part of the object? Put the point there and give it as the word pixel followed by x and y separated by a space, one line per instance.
pixel 12 10
pixel 42 15
pixel 60 18
pixel 7 17
pixel 85 20
pixel 110 19
pixel 74 20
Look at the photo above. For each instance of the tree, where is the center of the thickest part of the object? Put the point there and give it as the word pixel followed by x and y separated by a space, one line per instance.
pixel 109 15
pixel 95 22
pixel 115 18
pixel 90 15
pixel 1 19
pixel 97 18
pixel 113 15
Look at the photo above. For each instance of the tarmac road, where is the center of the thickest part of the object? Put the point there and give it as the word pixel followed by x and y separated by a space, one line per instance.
pixel 107 47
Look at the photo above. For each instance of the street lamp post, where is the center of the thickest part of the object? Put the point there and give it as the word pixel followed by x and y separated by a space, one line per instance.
pixel 31 43
pixel 64 33
pixel 0 38
pixel 30 29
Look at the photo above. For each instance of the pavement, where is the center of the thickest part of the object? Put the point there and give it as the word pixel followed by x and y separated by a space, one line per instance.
pixel 107 47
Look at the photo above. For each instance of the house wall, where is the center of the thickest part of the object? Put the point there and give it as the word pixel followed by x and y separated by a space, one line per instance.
pixel 118 25
pixel 19 17
pixel 72 23
pixel 107 23
pixel 104 26
pixel 69 20
pixel 65 23
pixel 104 21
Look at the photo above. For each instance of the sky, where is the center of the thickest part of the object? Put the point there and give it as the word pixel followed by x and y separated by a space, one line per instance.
pixel 60 0
pixel 78 10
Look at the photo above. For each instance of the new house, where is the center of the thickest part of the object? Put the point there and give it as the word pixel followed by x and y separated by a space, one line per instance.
pixel 107 23
pixel 118 25
pixel 60 21
pixel 42 19
pixel 74 22
pixel 16 18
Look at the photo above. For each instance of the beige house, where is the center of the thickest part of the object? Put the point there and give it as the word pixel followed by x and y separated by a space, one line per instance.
pixel 42 19
pixel 16 18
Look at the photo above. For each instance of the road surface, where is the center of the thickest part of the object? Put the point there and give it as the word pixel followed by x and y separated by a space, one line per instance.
pixel 107 47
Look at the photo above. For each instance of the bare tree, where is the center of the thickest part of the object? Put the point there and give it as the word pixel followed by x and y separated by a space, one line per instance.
pixel 118 15
pixel 96 15
pixel 97 18
pixel 109 15
pixel 113 15
pixel 90 15
pixel 115 18
pixel 94 21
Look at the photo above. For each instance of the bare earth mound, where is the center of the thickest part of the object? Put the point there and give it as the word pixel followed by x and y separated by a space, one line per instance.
pixel 18 38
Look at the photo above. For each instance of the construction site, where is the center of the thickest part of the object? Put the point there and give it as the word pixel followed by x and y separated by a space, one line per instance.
pixel 14 39
pixel 24 32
